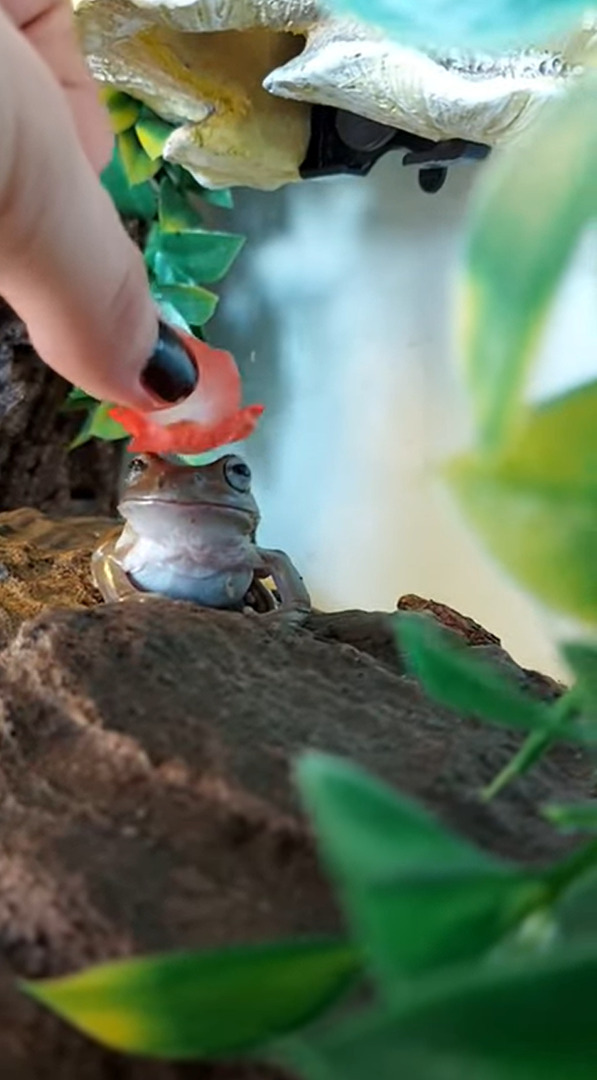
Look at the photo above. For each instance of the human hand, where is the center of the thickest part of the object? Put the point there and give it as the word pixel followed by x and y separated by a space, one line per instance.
pixel 66 264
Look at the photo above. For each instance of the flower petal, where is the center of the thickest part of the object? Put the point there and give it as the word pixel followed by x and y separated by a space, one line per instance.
pixel 218 392
pixel 209 418
pixel 186 436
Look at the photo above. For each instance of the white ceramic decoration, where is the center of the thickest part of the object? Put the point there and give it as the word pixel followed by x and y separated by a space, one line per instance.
pixel 237 78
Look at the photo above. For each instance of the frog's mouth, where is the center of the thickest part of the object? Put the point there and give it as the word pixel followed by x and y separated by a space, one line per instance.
pixel 170 509
pixel 183 504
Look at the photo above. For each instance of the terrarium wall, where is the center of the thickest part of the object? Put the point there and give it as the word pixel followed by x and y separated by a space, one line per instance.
pixel 338 312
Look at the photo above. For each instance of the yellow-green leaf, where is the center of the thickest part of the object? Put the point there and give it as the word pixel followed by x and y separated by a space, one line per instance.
pixel 153 135
pixel 195 304
pixel 99 425
pixel 176 212
pixel 536 198
pixel 137 165
pixel 138 201
pixel 202 1004
pixel 535 507
pixel 544 538
pixel 123 110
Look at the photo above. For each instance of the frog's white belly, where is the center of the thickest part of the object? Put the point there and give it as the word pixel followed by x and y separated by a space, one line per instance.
pixel 220 581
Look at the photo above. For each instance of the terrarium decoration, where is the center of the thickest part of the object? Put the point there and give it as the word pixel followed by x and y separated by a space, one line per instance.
pixel 237 78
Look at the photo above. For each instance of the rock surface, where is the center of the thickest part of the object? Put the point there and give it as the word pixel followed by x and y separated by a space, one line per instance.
pixel 36 465
pixel 44 563
pixel 146 785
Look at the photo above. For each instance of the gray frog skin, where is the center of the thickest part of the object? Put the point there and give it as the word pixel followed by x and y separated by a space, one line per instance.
pixel 189 534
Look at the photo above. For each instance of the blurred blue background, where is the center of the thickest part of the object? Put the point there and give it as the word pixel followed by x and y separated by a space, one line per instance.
pixel 338 312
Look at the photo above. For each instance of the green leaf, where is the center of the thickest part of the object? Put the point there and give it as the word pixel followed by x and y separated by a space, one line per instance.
pixel 99 425
pixel 416 896
pixel 523 235
pixel 202 255
pixel 573 817
pixel 137 165
pixel 139 201
pixel 164 271
pixel 170 313
pixel 77 400
pixel 76 394
pixel 453 675
pixel 577 911
pixel 153 134
pixel 176 213
pixel 222 198
pixel 532 750
pixel 122 108
pixel 84 433
pixel 514 1021
pixel 465 22
pixel 195 304
pixel 202 1004
pixel 413 923
pixel 103 427
pixel 368 832
pixel 582 658
pixel 535 507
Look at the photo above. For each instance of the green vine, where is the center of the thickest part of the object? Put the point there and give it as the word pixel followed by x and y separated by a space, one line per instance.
pixel 182 255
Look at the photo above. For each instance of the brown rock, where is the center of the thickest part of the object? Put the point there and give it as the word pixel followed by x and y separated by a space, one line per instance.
pixel 471 631
pixel 474 634
pixel 146 787
pixel 36 465
pixel 44 563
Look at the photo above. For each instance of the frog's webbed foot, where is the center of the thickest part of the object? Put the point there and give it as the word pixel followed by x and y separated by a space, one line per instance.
pixel 138 597
pixel 281 618
pixel 290 586
pixel 112 581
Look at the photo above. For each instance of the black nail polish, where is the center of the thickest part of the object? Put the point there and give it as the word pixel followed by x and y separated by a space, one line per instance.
pixel 170 373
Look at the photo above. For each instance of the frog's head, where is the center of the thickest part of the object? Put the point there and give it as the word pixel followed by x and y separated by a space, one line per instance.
pixel 160 495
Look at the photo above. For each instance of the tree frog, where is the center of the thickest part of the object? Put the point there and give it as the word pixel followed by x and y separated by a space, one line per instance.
pixel 190 534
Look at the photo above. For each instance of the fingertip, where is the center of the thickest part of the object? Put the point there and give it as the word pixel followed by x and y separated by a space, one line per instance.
pixel 170 374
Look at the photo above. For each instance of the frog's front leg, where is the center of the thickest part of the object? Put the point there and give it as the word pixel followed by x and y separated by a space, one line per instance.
pixel 289 583
pixel 109 576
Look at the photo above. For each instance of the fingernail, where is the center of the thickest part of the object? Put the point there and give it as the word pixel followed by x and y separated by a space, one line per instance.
pixel 169 374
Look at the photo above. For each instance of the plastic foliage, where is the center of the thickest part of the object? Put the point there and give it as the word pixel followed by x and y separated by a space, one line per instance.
pixel 182 255
pixel 454 675
pixel 465 959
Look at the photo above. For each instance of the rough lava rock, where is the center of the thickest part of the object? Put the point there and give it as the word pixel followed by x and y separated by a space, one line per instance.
pixel 145 774
pixel 36 465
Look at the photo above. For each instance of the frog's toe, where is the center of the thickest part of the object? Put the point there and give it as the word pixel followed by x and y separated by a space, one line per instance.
pixel 139 597
pixel 284 618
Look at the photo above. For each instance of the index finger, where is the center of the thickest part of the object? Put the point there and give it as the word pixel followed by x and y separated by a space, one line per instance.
pixel 49 29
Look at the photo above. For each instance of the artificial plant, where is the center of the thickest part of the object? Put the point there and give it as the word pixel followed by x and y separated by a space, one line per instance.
pixel 182 255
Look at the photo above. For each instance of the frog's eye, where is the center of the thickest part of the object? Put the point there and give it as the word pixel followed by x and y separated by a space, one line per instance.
pixel 137 466
pixel 238 474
